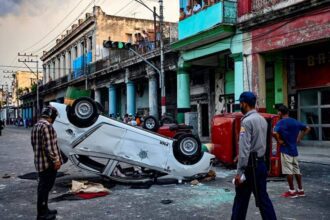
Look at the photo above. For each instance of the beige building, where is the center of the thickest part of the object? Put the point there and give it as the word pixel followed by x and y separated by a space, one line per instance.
pixel 83 43
pixel 23 83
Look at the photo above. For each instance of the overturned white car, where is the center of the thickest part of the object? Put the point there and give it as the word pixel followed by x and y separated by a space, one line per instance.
pixel 122 152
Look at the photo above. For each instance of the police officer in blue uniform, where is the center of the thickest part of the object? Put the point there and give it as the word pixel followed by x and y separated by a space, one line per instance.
pixel 251 168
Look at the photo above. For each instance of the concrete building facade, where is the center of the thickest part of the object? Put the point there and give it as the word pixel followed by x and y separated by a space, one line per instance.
pixel 210 67
pixel 286 51
pixel 120 81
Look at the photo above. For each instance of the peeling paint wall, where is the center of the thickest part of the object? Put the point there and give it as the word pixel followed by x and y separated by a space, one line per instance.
pixel 280 36
pixel 219 90
pixel 123 29
pixel 311 27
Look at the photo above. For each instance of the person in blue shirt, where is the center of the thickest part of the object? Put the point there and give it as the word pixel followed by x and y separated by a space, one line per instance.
pixel 288 133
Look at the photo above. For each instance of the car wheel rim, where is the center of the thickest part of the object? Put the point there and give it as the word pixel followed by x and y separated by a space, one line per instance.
pixel 84 110
pixel 150 123
pixel 189 146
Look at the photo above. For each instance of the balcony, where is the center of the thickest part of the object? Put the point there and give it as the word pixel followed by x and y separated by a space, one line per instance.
pixel 223 12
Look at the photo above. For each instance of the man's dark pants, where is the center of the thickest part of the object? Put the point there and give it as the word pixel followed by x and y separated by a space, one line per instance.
pixel 243 193
pixel 46 182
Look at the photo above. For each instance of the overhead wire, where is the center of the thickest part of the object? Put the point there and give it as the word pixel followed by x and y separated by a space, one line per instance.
pixel 51 41
pixel 54 28
pixel 122 8
pixel 48 33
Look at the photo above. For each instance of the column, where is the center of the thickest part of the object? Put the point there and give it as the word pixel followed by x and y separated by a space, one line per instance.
pixel 97 95
pixel 130 91
pixel 48 73
pixel 153 96
pixel 45 71
pixel 238 78
pixel 183 91
pixel 68 64
pixel 56 68
pixel 60 66
pixel 259 80
pixel 53 70
pixel 112 100
pixel 23 113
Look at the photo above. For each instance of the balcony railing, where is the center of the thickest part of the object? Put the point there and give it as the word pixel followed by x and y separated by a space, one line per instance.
pixel 223 12
pixel 115 59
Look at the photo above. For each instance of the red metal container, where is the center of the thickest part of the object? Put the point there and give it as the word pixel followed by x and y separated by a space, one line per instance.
pixel 174 130
pixel 225 130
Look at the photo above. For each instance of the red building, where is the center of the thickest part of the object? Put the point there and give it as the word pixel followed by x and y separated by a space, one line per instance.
pixel 287 58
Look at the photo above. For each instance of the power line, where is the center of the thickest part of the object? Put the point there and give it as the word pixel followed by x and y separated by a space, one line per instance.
pixel 130 2
pixel 51 41
pixel 129 12
pixel 56 26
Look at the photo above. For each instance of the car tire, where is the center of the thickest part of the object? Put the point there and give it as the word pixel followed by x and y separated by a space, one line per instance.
pixel 151 123
pixel 83 112
pixel 187 149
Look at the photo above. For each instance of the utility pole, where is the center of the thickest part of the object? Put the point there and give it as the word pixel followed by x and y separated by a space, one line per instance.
pixel 7 105
pixel 163 90
pixel 30 58
pixel 162 73
pixel 155 28
pixel 2 95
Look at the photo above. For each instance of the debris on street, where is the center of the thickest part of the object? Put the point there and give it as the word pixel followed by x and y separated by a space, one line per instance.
pixel 166 201
pixel 6 176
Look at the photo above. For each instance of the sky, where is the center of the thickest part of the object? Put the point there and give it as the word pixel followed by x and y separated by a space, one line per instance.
pixel 31 26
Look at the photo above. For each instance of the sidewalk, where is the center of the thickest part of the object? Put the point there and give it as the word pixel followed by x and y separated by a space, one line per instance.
pixel 314 154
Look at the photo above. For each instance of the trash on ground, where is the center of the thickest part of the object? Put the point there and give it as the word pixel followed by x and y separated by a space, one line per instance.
pixel 6 176
pixel 166 201
pixel 210 176
pixel 194 182
pixel 82 190
pixel 87 187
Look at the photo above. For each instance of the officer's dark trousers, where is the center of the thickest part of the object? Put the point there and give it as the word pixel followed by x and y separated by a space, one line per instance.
pixel 46 182
pixel 243 193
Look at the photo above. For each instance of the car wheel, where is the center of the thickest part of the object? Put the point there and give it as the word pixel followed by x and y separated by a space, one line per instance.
pixel 151 123
pixel 187 149
pixel 83 112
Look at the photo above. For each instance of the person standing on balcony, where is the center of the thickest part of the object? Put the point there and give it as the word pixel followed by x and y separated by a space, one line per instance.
pixel 206 3
pixel 288 132
pixel 182 14
pixel 189 11
pixel 197 7
pixel 251 168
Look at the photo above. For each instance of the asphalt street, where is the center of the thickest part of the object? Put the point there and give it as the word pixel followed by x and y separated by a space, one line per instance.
pixel 211 200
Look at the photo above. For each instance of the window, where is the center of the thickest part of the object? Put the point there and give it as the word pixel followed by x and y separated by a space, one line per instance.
pixel 90 43
pixel 69 61
pixel 129 38
pixel 314 110
pixel 75 49
pixel 82 48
